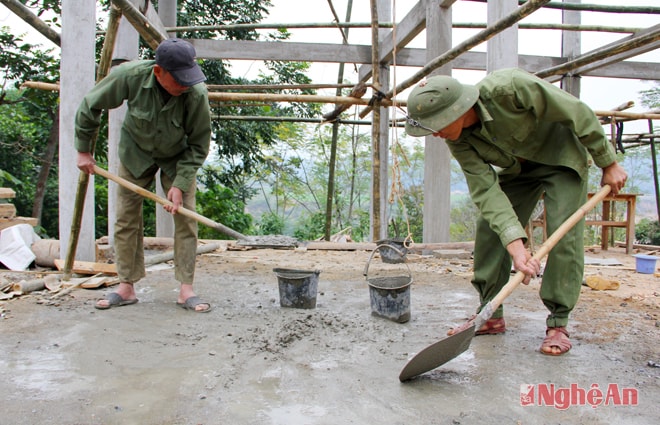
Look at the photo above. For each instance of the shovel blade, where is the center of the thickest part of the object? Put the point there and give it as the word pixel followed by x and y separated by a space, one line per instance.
pixel 437 354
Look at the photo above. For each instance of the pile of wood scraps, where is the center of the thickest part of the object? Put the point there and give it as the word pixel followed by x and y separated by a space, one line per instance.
pixel 8 211
pixel 51 284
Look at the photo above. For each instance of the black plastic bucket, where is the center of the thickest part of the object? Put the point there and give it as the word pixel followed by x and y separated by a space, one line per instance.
pixel 297 287
pixel 392 251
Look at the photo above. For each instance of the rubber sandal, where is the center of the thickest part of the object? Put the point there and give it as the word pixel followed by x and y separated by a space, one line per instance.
pixel 114 300
pixel 559 339
pixel 492 327
pixel 193 302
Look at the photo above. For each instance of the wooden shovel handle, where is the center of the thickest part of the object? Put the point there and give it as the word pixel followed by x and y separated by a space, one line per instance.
pixel 183 211
pixel 549 244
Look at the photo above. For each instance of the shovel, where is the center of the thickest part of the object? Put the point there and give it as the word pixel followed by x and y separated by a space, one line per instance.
pixel 448 348
pixel 280 241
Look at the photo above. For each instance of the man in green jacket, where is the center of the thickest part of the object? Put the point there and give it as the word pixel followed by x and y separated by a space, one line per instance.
pixel 517 138
pixel 167 127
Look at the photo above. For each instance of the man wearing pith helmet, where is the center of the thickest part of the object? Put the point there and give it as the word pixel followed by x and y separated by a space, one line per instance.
pixel 516 138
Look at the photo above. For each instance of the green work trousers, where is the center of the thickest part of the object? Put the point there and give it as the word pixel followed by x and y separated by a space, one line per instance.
pixel 563 193
pixel 129 230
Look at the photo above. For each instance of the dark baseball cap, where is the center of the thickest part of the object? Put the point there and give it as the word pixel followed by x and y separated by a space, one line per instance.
pixel 177 57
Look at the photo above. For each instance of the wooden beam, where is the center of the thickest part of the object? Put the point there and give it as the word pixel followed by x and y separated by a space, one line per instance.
pixel 361 54
pixel 7 192
pixel 278 50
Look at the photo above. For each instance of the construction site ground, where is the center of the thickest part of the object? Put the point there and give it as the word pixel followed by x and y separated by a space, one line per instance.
pixel 250 361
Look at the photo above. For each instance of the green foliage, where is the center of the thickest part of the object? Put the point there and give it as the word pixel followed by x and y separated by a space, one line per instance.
pixel 220 204
pixel 311 226
pixel 651 97
pixel 270 224
pixel 26 118
pixel 463 219
pixel 647 232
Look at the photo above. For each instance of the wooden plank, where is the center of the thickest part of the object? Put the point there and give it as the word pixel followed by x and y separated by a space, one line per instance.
pixel 88 267
pixel 7 210
pixel 8 222
pixel 6 192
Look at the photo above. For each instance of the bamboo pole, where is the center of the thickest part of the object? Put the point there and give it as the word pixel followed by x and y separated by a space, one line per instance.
pixel 329 201
pixel 461 25
pixel 30 18
pixel 254 87
pixel 83 177
pixel 375 128
pixel 632 115
pixel 40 86
pixel 561 27
pixel 633 43
pixel 593 7
pixel 288 25
pixel 654 159
pixel 499 26
pixel 311 98
pixel 225 96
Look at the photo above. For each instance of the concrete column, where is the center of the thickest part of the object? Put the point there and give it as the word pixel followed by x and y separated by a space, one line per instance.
pixel 77 77
pixel 167 14
pixel 571 45
pixel 502 50
pixel 164 220
pixel 437 159
pixel 126 49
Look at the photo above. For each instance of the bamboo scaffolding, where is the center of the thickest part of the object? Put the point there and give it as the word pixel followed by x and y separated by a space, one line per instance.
pixel 528 8
pixel 83 178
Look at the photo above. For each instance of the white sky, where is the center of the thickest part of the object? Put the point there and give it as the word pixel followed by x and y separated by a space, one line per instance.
pixel 599 93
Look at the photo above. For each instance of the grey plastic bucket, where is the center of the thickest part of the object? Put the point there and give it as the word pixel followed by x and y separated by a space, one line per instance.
pixel 297 287
pixel 389 296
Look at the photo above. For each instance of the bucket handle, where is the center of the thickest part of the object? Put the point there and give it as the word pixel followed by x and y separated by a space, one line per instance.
pixel 366 267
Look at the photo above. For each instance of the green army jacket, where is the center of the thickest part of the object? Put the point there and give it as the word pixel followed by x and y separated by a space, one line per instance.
pixel 175 135
pixel 524 117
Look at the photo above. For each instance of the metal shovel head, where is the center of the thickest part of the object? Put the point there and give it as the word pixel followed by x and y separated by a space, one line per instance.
pixel 437 354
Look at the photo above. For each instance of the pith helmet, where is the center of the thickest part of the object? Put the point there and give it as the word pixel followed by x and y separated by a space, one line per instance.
pixel 438 103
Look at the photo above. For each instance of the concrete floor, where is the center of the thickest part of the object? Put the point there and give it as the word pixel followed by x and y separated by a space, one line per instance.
pixel 250 361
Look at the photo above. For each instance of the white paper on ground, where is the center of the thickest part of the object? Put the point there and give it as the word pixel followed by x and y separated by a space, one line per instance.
pixel 15 243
